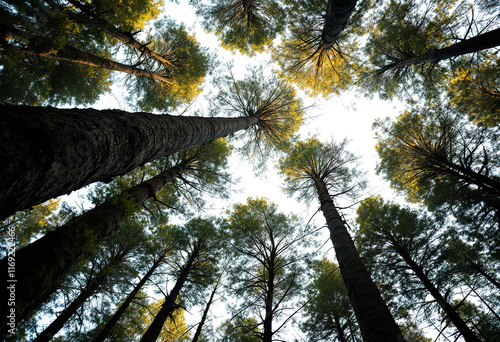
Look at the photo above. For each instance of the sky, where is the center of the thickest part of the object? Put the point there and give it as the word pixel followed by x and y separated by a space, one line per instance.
pixel 349 115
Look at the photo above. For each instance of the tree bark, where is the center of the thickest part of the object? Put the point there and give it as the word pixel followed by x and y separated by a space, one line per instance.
pixel 267 335
pixel 48 152
pixel 123 307
pixel 169 305
pixel 475 44
pixel 42 265
pixel 49 332
pixel 337 15
pixel 448 309
pixel 374 318
pixel 44 47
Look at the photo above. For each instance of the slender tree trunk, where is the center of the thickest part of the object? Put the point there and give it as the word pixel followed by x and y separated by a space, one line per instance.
pixel 48 152
pixel 123 307
pixel 169 305
pixel 340 329
pixel 205 312
pixel 90 19
pixel 374 318
pixel 44 47
pixel 448 309
pixel 268 318
pixel 42 265
pixel 337 15
pixel 49 332
pixel 478 43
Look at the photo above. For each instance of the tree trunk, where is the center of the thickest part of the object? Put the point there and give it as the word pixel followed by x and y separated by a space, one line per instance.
pixel 340 329
pixel 48 152
pixel 123 307
pixel 374 318
pixel 44 47
pixel 205 312
pixel 169 305
pixel 337 15
pixel 478 43
pixel 448 309
pixel 49 332
pixel 268 318
pixel 91 19
pixel 42 265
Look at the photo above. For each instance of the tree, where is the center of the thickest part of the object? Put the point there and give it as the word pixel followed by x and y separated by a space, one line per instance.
pixel 265 272
pixel 443 161
pixel 390 235
pixel 312 167
pixel 158 250
pixel 247 26
pixel 76 147
pixel 315 53
pixel 329 313
pixel 410 39
pixel 164 79
pixel 197 245
pixel 240 330
pixel 47 260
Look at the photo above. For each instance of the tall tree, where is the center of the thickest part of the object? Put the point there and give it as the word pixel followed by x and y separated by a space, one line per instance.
pixel 248 26
pixel 157 251
pixel 75 147
pixel 315 53
pixel 118 250
pixel 265 272
pixel 313 168
pixel 197 250
pixel 47 260
pixel 410 242
pixel 434 156
pixel 410 38
pixel 329 314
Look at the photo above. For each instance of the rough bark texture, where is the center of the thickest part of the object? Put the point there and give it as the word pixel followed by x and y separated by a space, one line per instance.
pixel 448 309
pixel 337 15
pixel 42 265
pixel 48 152
pixel 123 307
pixel 478 43
pixel 375 321
pixel 49 332
pixel 169 305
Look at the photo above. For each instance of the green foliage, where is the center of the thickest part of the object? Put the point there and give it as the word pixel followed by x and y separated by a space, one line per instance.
pixel 265 273
pixel 310 160
pixel 476 92
pixel 305 60
pixel 188 65
pixel 272 101
pixel 329 313
pixel 240 330
pixel 248 26
pixel 434 156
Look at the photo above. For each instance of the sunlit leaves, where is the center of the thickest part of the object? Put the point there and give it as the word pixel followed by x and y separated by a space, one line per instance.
pixel 310 160
pixel 248 26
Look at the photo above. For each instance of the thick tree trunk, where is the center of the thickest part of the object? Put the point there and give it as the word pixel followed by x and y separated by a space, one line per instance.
pixel 448 309
pixel 49 332
pixel 337 15
pixel 44 47
pixel 42 265
pixel 375 321
pixel 123 307
pixel 478 43
pixel 169 305
pixel 48 152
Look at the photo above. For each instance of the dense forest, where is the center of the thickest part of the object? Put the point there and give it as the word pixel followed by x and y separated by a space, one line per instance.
pixel 161 118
